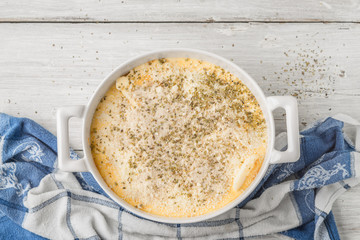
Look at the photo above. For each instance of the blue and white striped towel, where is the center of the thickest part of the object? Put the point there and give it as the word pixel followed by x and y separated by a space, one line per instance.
pixel 292 202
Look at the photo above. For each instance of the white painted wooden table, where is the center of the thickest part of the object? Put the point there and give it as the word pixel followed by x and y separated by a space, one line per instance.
pixel 55 53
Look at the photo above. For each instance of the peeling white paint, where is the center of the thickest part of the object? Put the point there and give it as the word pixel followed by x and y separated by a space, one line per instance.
pixel 231 31
pixel 328 6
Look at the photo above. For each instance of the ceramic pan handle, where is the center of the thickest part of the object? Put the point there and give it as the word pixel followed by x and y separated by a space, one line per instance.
pixel 289 104
pixel 64 162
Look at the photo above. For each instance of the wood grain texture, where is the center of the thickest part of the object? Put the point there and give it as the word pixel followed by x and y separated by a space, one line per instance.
pixel 179 10
pixel 346 210
pixel 49 65
pixel 44 66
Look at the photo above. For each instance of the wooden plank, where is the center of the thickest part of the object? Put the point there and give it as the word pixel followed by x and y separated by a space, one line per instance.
pixel 50 65
pixel 179 10
pixel 347 214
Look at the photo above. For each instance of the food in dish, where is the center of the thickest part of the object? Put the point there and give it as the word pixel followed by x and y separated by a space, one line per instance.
pixel 178 137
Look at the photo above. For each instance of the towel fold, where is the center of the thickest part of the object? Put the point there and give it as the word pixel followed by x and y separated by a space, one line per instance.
pixel 293 201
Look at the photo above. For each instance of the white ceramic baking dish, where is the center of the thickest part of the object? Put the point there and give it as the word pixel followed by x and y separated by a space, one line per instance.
pixel 268 104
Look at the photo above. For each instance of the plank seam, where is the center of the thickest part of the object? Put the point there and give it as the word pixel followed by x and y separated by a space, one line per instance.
pixel 178 22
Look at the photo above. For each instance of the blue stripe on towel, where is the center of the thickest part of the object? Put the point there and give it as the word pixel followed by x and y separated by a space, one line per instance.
pixel 120 224
pixel 331 227
pixel 58 184
pixel 68 216
pixel 178 231
pixel 49 201
pixel 209 223
pixel 95 200
pixel 237 219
